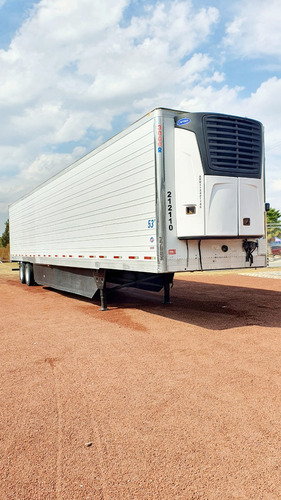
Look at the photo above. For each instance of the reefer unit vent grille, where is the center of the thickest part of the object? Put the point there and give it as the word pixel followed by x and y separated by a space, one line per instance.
pixel 234 145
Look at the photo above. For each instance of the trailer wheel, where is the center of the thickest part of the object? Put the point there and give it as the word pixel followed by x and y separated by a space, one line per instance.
pixel 29 278
pixel 22 272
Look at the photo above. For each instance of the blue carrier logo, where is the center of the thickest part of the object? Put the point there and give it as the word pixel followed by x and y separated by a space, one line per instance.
pixel 183 121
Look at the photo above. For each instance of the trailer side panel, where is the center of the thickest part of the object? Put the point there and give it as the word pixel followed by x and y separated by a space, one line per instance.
pixel 100 213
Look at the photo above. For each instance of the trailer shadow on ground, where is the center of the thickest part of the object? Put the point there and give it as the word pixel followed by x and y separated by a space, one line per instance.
pixel 212 306
pixel 208 305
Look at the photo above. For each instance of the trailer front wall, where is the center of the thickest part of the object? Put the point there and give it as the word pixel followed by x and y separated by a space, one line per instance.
pixel 205 239
pixel 99 213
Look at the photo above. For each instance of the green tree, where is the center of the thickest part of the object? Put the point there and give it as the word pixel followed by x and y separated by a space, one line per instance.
pixel 5 238
pixel 273 218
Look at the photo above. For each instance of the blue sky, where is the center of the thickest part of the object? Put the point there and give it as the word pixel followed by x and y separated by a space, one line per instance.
pixel 75 72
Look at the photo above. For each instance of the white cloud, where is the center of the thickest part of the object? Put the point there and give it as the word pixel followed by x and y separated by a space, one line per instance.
pixel 73 67
pixel 255 31
pixel 92 60
pixel 277 185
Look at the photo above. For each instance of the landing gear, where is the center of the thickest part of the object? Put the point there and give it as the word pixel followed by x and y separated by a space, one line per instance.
pixel 103 299
pixel 167 281
pixel 131 279
pixel 99 276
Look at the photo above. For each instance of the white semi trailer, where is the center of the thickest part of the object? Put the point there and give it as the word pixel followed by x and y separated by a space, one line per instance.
pixel 175 191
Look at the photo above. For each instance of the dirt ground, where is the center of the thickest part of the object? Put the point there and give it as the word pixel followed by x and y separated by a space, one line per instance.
pixel 144 401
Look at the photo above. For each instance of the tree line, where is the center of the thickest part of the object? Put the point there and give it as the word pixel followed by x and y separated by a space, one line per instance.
pixel 273 220
pixel 5 238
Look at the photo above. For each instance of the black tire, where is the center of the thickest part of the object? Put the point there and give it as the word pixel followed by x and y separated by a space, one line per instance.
pixel 29 278
pixel 22 272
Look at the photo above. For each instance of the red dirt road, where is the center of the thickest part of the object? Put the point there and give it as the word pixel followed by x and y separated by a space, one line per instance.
pixel 145 401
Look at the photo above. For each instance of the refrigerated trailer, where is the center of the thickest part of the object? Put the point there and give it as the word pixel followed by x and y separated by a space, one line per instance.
pixel 174 192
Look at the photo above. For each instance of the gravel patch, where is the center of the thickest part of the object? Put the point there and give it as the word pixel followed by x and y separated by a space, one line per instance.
pixel 265 274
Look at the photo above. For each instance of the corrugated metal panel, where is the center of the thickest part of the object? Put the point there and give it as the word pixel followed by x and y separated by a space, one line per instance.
pixel 99 207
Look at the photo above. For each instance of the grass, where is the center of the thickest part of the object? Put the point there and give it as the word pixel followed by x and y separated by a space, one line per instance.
pixel 6 268
pixel 5 253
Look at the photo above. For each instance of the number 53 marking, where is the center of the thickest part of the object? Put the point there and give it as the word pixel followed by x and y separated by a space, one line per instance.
pixel 150 223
